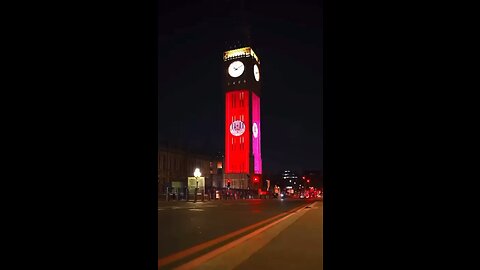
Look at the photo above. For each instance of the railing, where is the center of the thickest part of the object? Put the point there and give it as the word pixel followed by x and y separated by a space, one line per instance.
pixel 181 194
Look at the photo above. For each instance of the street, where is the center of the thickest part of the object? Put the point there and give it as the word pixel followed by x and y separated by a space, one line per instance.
pixel 220 234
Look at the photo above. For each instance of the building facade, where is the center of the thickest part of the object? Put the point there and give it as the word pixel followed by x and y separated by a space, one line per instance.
pixel 175 166
pixel 291 181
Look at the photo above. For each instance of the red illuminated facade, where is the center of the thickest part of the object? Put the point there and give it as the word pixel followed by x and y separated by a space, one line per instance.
pixel 237 130
pixel 243 165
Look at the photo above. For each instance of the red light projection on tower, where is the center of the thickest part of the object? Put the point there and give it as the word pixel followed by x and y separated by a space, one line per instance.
pixel 237 132
pixel 257 155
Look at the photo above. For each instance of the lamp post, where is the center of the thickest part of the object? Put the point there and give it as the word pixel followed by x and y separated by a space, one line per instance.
pixel 197 174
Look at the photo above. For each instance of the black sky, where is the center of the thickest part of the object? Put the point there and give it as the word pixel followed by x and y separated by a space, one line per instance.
pixel 287 37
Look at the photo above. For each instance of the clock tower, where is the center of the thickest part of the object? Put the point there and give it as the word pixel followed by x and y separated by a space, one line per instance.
pixel 242 78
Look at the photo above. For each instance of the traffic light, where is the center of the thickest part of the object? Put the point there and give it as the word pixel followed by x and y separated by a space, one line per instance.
pixel 255 179
pixel 228 183
pixel 308 180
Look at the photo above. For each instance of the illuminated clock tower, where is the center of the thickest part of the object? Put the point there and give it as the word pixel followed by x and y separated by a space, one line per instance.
pixel 243 160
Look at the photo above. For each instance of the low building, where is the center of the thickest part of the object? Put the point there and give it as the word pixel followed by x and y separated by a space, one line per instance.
pixel 290 180
pixel 176 165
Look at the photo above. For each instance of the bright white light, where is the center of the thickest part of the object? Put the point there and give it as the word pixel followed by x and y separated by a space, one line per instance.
pixel 197 173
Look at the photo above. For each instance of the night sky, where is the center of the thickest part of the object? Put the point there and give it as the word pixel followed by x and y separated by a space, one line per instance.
pixel 287 37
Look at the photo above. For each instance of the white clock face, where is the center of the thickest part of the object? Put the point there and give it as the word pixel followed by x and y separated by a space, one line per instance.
pixel 256 72
pixel 255 130
pixel 236 69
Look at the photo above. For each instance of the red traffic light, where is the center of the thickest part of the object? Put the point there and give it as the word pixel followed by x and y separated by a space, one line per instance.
pixel 308 180
pixel 255 179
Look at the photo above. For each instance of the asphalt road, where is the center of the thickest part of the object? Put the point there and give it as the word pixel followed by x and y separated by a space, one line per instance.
pixel 184 224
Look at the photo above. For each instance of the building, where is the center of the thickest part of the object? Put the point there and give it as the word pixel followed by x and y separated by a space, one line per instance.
pixel 217 171
pixel 243 161
pixel 290 180
pixel 176 165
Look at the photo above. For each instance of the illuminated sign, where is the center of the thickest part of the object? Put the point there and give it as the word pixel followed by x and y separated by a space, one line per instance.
pixel 237 128
pixel 241 52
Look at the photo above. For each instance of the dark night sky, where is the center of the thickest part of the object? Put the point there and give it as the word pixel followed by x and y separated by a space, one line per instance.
pixel 287 37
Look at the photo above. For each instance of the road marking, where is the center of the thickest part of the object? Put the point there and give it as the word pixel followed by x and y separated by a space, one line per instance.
pixel 189 251
pixel 196 209
pixel 233 261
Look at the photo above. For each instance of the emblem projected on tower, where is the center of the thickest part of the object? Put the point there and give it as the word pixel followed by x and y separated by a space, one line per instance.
pixel 237 128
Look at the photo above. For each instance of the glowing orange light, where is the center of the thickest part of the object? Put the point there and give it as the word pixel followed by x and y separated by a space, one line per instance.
pixel 241 52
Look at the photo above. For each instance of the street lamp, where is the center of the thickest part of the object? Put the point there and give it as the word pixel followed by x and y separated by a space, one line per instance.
pixel 197 174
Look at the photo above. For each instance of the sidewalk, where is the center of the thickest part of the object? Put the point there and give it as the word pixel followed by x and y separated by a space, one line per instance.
pixel 294 242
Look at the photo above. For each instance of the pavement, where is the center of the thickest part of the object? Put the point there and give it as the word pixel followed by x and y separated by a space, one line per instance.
pixel 290 240
pixel 185 224
pixel 302 239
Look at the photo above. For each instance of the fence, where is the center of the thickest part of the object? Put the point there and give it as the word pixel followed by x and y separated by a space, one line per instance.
pixel 181 194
